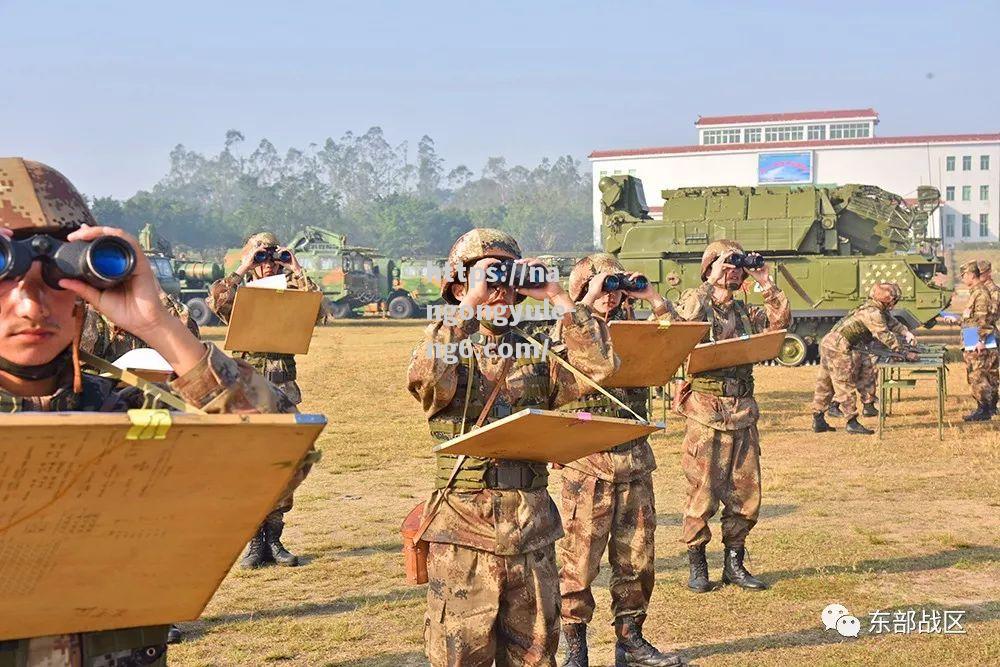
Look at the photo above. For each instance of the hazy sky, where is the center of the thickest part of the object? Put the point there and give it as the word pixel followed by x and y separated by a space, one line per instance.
pixel 104 90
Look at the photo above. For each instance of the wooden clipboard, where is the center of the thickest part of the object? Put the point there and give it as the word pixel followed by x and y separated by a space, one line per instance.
pixel 651 352
pixel 272 320
pixel 546 436
pixel 736 351
pixel 116 521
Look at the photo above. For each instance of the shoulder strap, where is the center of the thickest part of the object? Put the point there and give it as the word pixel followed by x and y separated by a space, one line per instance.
pixel 145 386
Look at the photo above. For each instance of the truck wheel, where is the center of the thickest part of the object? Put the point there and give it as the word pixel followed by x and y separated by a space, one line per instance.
pixel 199 312
pixel 793 350
pixel 401 307
pixel 339 310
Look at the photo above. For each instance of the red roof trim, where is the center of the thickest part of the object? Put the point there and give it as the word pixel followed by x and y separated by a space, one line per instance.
pixel 781 117
pixel 780 145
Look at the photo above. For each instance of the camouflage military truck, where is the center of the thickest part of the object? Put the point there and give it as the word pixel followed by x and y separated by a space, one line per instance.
pixel 159 252
pixel 350 276
pixel 826 246
pixel 415 283
pixel 184 280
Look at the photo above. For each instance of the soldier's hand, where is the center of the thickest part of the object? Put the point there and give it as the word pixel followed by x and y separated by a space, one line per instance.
pixel 477 291
pixel 762 275
pixel 648 294
pixel 595 288
pixel 246 260
pixel 545 291
pixel 718 273
pixel 909 338
pixel 293 264
pixel 980 346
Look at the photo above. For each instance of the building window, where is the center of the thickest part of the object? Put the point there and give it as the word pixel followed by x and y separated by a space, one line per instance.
pixel 604 172
pixel 849 130
pixel 966 226
pixel 751 135
pixel 949 163
pixel 631 172
pixel 949 226
pixel 618 172
pixel 966 163
pixel 984 193
pixel 984 224
pixel 816 132
pixel 949 193
pixel 783 133
pixel 710 137
pixel 966 193
pixel 984 162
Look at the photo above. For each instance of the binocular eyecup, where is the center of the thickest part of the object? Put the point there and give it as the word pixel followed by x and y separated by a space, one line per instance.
pixel 622 281
pixel 266 254
pixel 102 263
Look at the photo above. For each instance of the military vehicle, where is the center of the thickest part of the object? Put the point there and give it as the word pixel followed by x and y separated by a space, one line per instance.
pixel 159 252
pixel 415 284
pixel 186 281
pixel 825 245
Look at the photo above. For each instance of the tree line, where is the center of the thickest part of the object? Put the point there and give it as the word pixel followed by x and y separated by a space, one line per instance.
pixel 376 193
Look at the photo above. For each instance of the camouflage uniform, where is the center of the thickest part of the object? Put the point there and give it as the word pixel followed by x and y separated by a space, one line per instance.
pixel 105 340
pixel 980 364
pixel 493 589
pixel 867 379
pixel 843 367
pixel 986 270
pixel 721 456
pixel 607 497
pixel 217 384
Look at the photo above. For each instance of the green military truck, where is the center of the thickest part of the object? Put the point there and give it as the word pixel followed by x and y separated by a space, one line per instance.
pixel 186 281
pixel 415 283
pixel 825 245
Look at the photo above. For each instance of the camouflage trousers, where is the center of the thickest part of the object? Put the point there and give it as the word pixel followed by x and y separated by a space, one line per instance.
pixel 482 607
pixel 981 369
pixel 720 466
pixel 599 515
pixel 287 499
pixel 92 649
pixel 840 375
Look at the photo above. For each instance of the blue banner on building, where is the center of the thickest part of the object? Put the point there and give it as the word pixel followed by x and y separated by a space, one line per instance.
pixel 785 167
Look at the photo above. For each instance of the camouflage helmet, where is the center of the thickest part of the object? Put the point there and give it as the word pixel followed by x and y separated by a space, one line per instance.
pixel 886 293
pixel 261 240
pixel 35 198
pixel 972 266
pixel 713 251
pixel 473 246
pixel 984 266
pixel 587 268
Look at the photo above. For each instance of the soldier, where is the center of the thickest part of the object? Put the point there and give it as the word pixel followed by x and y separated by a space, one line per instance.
pixel 262 259
pixel 39 335
pixel 721 457
pixel 609 496
pixel 493 589
pixel 981 360
pixel 986 276
pixel 844 357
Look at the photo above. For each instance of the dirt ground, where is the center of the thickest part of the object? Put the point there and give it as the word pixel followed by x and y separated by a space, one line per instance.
pixel 908 523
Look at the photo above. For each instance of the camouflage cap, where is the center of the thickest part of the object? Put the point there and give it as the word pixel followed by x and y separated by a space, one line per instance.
pixel 885 293
pixel 972 266
pixel 984 266
pixel 35 198
pixel 713 251
pixel 587 268
pixel 472 246
pixel 260 240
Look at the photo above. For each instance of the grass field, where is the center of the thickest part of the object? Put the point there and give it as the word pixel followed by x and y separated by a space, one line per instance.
pixel 906 523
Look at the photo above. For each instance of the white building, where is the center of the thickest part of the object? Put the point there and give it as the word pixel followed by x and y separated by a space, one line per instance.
pixel 825 148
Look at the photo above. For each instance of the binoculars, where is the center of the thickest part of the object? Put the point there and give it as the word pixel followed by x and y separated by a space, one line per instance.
pixel 621 281
pixel 516 275
pixel 748 260
pixel 102 263
pixel 265 254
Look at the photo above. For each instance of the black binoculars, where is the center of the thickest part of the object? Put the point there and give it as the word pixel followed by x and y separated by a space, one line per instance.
pixel 748 260
pixel 507 272
pixel 265 254
pixel 102 263
pixel 622 281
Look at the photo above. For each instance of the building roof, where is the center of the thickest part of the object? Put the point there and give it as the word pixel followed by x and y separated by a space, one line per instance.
pixel 783 117
pixel 781 145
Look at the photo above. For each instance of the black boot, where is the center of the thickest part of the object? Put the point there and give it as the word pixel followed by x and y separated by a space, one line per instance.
pixel 257 555
pixel 870 410
pixel 273 526
pixel 174 635
pixel 834 410
pixel 819 423
pixel 698 581
pixel 733 571
pixel 576 645
pixel 980 414
pixel 854 427
pixel 632 650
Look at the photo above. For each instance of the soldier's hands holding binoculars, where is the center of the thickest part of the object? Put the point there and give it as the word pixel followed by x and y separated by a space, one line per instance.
pixel 717 276
pixel 595 288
